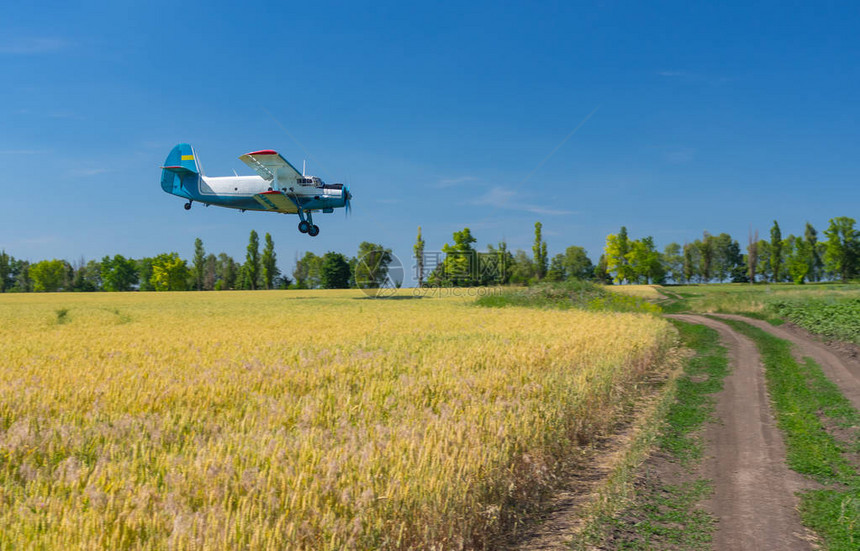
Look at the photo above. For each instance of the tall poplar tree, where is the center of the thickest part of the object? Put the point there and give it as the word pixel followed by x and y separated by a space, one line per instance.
pixel 251 269
pixel 269 263
pixel 198 263
pixel 540 254
pixel 776 246
pixel 419 258
pixel 752 255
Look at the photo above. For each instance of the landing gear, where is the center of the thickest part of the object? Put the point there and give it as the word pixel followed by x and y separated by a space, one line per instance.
pixel 188 205
pixel 308 226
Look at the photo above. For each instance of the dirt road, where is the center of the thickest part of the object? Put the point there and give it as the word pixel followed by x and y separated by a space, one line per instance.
pixel 753 498
pixel 842 366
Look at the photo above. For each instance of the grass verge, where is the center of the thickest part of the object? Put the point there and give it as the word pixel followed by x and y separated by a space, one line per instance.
pixel 805 402
pixel 643 511
pixel 582 295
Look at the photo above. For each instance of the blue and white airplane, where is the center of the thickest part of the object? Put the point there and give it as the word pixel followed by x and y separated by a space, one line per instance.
pixel 278 186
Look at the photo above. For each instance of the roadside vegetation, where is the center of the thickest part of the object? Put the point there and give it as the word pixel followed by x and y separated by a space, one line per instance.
pixel 661 512
pixel 808 408
pixel 828 309
pixel 583 295
pixel 833 317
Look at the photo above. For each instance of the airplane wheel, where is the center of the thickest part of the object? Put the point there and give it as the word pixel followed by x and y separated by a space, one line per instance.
pixel 188 205
pixel 314 230
pixel 304 227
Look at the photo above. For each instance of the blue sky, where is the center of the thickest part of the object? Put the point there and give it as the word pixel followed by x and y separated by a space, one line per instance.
pixel 444 115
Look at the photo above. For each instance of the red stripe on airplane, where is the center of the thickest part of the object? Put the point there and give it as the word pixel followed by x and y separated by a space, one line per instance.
pixel 264 152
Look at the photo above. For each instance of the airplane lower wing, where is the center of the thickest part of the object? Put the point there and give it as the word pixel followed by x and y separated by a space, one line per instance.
pixel 277 202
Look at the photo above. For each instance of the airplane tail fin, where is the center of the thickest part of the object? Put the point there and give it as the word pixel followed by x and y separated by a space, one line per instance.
pixel 180 171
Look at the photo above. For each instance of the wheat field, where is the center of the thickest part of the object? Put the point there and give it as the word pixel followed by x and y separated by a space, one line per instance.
pixel 295 420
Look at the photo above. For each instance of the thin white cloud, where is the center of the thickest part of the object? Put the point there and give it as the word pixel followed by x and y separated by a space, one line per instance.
pixel 32 45
pixel 21 152
pixel 89 171
pixel 680 156
pixel 695 78
pixel 456 181
pixel 504 198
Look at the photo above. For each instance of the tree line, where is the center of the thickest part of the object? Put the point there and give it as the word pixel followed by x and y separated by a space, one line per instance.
pixel 712 258
pixel 205 272
pixel 719 258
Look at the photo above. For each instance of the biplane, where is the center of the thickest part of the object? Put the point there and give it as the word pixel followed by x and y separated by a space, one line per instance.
pixel 277 187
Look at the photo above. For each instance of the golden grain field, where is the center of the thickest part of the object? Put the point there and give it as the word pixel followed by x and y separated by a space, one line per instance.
pixel 293 420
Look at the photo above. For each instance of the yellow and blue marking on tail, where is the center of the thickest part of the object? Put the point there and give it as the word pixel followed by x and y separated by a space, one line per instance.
pixel 181 171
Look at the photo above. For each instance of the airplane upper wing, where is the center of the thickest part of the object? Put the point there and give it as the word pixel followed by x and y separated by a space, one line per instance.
pixel 268 164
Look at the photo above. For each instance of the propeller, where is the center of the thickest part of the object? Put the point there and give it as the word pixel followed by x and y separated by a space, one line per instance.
pixel 347 196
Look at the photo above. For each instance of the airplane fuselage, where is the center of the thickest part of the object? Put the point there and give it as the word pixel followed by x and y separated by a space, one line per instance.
pixel 239 192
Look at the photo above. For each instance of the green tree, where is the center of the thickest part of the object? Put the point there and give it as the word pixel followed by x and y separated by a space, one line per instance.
pixel 80 280
pixel 334 272
pixel 540 254
pixel 727 257
pixel 307 271
pixel 673 262
pixel 522 268
pixel 371 268
pixel 764 268
pixel 460 266
pixel 144 273
pixel 556 270
pixel 169 273
pixel 23 281
pixel 706 247
pixel 816 264
pixel 752 255
pixel 616 250
pixel 495 266
pixel 269 262
pixel 5 272
pixel 198 263
pixel 843 247
pixel 776 250
pixel 576 264
pixel 601 272
pixel 48 275
pixel 251 269
pixel 118 273
pixel 644 260
pixel 418 248
pixel 691 264
pixel 210 272
pixel 799 261
pixel 227 271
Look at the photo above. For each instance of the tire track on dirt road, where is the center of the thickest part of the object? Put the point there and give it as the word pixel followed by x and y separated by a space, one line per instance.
pixel 840 367
pixel 754 489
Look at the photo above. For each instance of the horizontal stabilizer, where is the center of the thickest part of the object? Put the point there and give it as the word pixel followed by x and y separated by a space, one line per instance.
pixel 181 170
